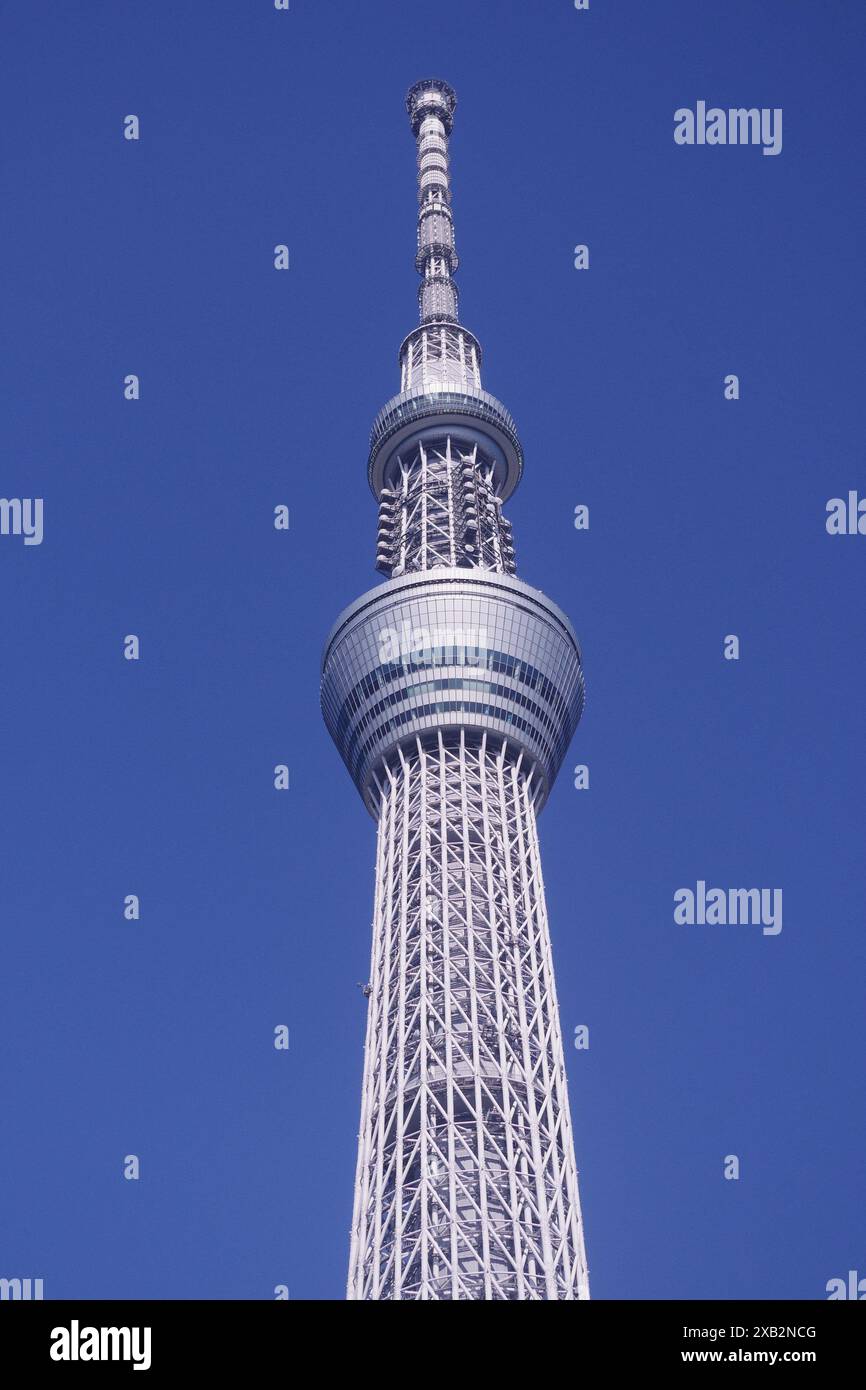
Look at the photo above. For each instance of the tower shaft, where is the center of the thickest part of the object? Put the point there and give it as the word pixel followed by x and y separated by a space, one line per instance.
pixel 452 691
pixel 466 1184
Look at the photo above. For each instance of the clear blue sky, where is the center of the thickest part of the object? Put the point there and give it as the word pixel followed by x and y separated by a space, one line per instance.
pixel 259 387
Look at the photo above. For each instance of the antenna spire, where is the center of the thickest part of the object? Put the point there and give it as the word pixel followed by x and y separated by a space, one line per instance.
pixel 431 104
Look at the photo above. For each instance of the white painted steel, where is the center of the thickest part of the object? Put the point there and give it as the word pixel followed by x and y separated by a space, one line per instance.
pixel 452 692
pixel 466 1180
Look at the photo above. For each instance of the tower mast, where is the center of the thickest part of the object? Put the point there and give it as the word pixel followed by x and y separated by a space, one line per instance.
pixel 452 691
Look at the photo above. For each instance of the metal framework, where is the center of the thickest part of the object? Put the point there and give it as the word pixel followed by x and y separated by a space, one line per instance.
pixel 452 691
pixel 443 510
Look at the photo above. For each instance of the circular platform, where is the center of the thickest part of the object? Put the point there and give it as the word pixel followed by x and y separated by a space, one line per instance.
pixel 451 649
pixel 475 416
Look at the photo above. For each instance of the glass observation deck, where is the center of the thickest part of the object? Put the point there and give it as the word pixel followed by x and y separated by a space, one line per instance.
pixel 477 416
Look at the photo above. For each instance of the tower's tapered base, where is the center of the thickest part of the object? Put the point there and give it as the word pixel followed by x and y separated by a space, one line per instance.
pixel 466 1183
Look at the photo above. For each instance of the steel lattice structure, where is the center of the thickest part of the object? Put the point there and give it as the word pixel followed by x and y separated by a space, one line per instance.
pixel 452 691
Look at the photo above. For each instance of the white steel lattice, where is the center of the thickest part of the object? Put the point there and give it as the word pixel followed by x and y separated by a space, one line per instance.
pixel 466 1181
pixel 443 511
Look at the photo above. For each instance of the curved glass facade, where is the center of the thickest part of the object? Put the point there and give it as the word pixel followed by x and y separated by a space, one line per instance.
pixel 451 649
pixel 404 412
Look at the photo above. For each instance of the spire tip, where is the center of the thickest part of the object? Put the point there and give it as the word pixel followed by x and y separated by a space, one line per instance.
pixel 431 97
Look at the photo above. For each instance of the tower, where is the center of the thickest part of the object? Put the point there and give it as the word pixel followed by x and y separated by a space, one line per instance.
pixel 452 691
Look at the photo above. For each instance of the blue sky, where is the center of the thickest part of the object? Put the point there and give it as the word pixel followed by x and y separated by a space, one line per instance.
pixel 258 388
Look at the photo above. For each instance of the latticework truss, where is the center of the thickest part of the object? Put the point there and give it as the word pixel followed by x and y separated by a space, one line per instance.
pixel 443 510
pixel 466 1182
